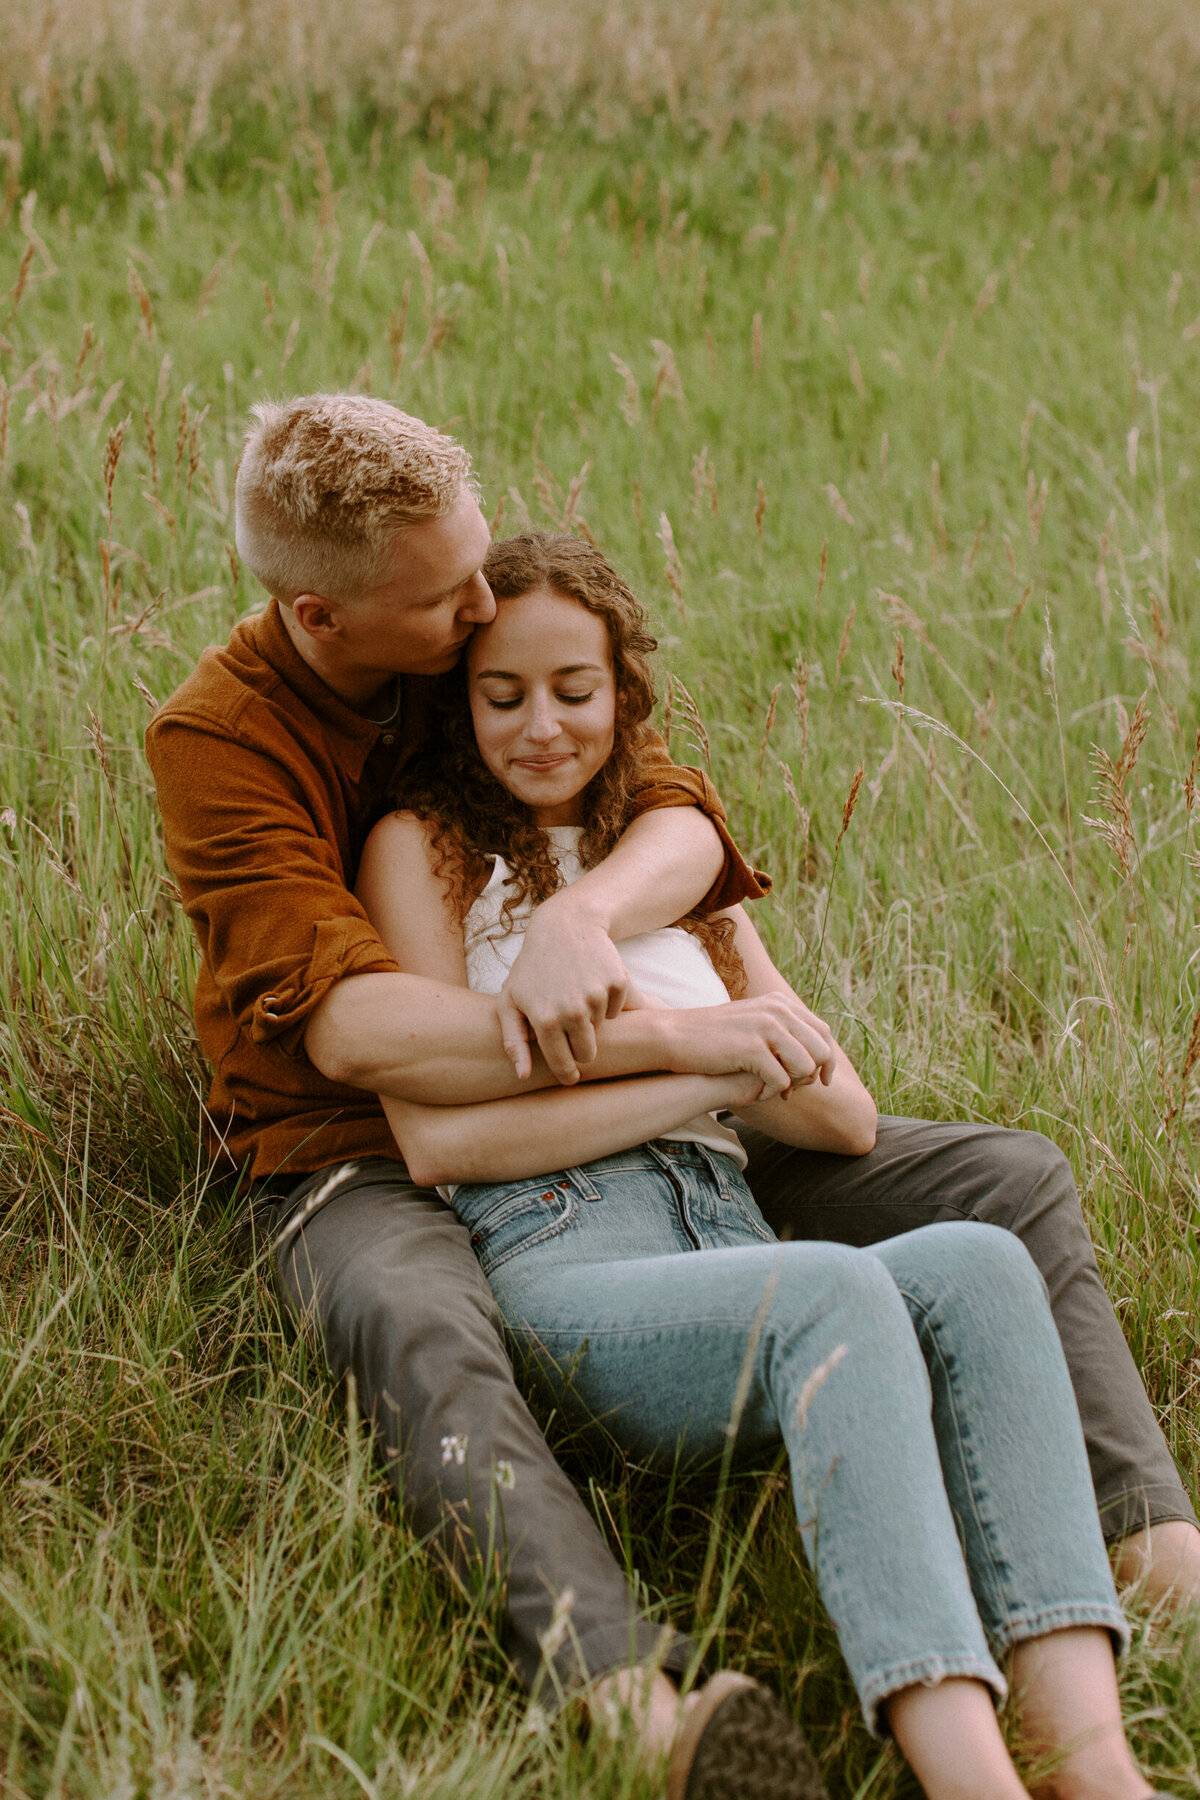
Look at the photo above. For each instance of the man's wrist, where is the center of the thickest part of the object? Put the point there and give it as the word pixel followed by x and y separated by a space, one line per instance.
pixel 573 906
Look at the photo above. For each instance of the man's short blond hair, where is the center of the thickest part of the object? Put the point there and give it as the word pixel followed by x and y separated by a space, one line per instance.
pixel 325 483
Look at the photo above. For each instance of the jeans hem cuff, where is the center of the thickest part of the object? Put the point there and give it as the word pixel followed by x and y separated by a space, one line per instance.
pixel 926 1671
pixel 1023 1626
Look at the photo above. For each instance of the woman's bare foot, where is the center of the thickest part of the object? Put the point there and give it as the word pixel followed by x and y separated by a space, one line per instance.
pixel 641 1701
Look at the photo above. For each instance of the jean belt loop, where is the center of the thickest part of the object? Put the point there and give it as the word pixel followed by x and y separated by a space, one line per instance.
pixel 581 1181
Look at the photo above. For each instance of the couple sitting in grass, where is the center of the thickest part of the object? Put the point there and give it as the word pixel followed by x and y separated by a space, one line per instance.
pixel 435 854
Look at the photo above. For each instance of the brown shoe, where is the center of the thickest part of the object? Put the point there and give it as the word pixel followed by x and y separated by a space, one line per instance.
pixel 737 1743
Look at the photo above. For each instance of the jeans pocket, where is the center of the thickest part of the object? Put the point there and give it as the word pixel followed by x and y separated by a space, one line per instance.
pixel 506 1218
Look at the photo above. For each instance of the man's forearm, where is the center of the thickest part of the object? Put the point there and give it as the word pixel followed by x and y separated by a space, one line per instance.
pixel 664 864
pixel 439 1045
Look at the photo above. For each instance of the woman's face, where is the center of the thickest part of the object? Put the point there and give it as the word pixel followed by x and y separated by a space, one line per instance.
pixel 543 700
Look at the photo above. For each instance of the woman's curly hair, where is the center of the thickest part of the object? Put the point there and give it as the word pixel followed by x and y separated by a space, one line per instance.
pixel 474 818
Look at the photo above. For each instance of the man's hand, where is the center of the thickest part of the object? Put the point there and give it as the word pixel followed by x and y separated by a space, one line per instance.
pixel 774 1038
pixel 567 979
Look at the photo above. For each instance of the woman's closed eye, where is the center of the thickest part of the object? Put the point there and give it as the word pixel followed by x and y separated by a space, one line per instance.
pixel 506 705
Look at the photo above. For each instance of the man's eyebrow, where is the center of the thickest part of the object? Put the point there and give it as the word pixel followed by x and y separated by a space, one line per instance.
pixel 567 669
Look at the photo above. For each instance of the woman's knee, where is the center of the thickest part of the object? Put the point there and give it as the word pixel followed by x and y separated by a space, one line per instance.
pixel 837 1279
pixel 965 1265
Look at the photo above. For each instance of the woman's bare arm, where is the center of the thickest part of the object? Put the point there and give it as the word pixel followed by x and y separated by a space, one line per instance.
pixel 532 1134
pixel 424 1036
pixel 839 1116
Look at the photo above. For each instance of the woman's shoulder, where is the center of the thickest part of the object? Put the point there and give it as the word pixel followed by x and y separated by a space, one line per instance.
pixel 400 837
pixel 403 843
pixel 398 853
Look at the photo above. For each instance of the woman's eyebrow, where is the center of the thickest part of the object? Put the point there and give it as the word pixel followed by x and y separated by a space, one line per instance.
pixel 567 669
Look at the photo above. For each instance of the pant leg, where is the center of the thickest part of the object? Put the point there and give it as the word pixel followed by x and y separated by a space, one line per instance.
pixel 1009 1440
pixel 385 1274
pixel 808 1343
pixel 921 1172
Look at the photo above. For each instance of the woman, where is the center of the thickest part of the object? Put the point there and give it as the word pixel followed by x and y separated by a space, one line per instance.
pixel 919 1387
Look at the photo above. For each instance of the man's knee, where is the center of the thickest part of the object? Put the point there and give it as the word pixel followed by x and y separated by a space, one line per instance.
pixel 1020 1176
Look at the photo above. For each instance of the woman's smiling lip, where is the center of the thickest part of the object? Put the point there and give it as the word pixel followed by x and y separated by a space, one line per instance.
pixel 540 762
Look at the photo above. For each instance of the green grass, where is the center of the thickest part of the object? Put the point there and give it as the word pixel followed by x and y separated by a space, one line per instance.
pixel 848 382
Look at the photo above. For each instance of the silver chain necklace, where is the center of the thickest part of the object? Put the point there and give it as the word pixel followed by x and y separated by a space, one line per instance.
pixel 389 718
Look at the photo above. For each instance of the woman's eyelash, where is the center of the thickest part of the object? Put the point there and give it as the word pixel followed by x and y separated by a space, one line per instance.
pixel 567 700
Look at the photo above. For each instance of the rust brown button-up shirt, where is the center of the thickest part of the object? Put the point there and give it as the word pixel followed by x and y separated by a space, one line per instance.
pixel 268 785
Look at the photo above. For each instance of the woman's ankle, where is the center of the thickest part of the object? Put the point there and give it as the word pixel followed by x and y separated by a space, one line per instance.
pixel 1065 1689
pixel 953 1743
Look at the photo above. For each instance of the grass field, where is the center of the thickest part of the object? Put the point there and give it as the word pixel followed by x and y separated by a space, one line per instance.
pixel 889 411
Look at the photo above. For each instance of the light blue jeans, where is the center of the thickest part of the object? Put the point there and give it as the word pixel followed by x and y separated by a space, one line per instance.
pixel 937 1461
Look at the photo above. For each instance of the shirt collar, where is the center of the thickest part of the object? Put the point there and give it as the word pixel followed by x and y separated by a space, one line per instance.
pixel 339 721
pixel 350 735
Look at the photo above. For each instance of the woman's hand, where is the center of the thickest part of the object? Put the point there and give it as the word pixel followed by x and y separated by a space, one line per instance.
pixel 773 1037
pixel 739 1090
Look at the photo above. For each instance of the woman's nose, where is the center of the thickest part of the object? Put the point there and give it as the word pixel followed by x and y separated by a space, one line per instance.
pixel 543 726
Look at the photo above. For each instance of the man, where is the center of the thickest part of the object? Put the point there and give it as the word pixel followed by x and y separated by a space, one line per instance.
pixel 271 763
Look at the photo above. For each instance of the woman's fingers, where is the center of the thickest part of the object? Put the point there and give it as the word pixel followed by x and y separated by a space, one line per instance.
pixel 806 1050
pixel 769 1036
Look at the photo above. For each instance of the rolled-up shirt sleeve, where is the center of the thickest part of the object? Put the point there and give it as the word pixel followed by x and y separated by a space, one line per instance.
pixel 263 884
pixel 670 784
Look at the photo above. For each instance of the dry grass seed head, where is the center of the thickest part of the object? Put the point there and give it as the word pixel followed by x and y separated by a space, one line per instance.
pixel 674 567
pixel 851 803
pixel 1189 782
pixel 1115 825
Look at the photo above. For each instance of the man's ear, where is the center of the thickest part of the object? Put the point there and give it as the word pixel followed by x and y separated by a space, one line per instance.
pixel 318 617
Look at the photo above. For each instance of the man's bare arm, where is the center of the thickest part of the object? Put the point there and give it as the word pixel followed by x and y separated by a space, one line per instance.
pixel 412 1038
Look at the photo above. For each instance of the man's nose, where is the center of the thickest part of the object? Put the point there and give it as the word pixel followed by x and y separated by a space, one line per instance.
pixel 479 603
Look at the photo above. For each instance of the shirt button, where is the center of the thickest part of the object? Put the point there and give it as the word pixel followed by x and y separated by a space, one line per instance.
pixel 389 738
